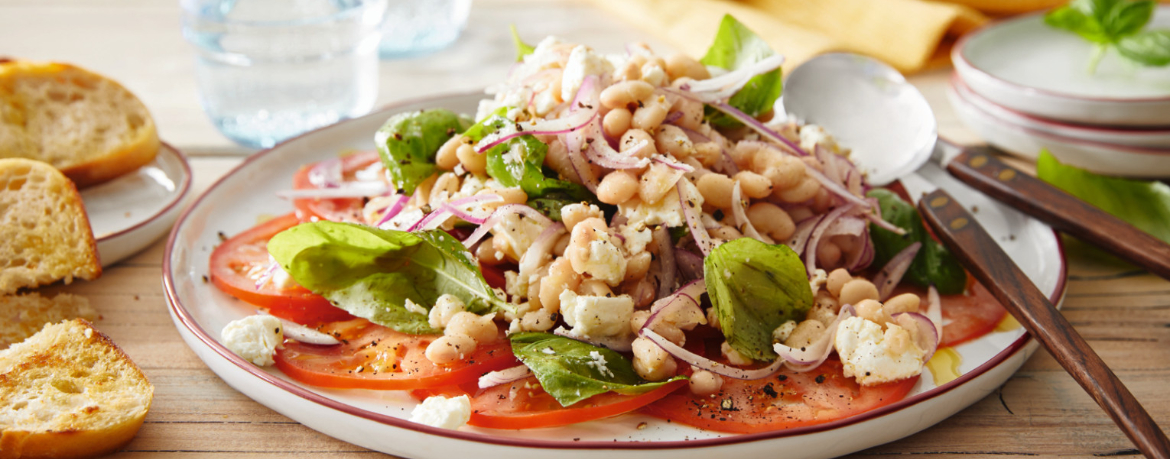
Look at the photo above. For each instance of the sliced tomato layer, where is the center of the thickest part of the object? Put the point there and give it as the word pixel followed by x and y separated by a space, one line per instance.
pixel 240 261
pixel 342 210
pixel 970 315
pixel 371 356
pixel 782 401
pixel 525 405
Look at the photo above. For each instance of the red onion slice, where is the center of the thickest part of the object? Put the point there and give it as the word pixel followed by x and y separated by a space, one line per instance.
pixel 399 204
pixel 892 273
pixel 326 174
pixel 499 214
pixel 571 123
pixel 837 189
pixel 934 311
pixel 690 265
pixel 685 300
pixel 505 376
pixel 810 252
pixel 847 226
pixel 704 363
pixel 540 248
pixel 673 163
pixel 741 220
pixel 268 273
pixel 702 239
pixel 599 152
pixel 302 333
pixel 433 220
pixel 738 77
pixel 804 229
pixel 927 338
pixel 667 267
pixel 351 190
pixel 813 355
pixel 573 142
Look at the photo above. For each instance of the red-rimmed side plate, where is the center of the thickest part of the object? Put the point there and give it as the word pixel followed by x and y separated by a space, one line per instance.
pixel 129 213
pixel 379 420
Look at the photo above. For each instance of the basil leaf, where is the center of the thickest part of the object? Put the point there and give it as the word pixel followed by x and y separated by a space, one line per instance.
pixel 1076 21
pixel 735 47
pixel 522 49
pixel 572 371
pixel 1127 17
pixel 372 273
pixel 1144 204
pixel 934 264
pixel 407 143
pixel 1151 48
pixel 755 288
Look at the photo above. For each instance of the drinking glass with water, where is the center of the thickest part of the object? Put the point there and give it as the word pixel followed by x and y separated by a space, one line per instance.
pixel 271 69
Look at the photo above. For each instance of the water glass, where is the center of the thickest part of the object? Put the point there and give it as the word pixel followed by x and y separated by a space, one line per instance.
pixel 414 27
pixel 271 69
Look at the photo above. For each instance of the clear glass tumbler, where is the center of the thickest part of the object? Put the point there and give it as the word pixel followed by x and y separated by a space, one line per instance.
pixel 271 69
pixel 414 27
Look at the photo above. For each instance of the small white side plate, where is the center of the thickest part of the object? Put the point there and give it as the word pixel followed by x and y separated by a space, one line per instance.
pixel 1102 158
pixel 1028 66
pixel 129 213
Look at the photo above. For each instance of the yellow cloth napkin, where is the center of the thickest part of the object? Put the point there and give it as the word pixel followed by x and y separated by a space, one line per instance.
pixel 909 34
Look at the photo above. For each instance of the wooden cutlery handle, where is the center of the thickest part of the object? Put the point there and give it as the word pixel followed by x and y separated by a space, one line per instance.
pixel 979 253
pixel 978 168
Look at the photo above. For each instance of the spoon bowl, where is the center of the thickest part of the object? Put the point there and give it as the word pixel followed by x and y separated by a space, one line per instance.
pixel 867 106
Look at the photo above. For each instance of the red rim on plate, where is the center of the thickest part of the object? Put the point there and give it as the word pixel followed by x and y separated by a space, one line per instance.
pixel 181 313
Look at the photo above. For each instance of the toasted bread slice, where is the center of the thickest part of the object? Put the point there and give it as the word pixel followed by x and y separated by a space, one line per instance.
pixel 24 315
pixel 86 125
pixel 44 231
pixel 69 392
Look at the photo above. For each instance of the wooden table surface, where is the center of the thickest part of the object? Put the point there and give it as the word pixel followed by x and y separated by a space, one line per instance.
pixel 1123 312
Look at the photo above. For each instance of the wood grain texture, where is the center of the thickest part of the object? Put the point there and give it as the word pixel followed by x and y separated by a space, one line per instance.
pixel 983 258
pixel 980 168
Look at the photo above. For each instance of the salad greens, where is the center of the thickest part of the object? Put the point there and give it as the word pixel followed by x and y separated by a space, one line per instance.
pixel 520 162
pixel 755 288
pixel 572 370
pixel 737 46
pixel 522 49
pixel 373 273
pixel 1144 204
pixel 407 143
pixel 934 264
pixel 1115 23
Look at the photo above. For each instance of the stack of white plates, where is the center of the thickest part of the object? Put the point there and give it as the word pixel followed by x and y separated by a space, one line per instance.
pixel 1024 86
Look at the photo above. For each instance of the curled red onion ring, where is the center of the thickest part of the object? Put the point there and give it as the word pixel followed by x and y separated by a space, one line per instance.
pixel 394 209
pixel 927 337
pixel 433 220
pixel 564 125
pixel 685 299
pixel 726 85
pixel 268 273
pixel 837 189
pixel 934 312
pixel 813 355
pixel 804 229
pixel 667 268
pixel 304 334
pixel 891 274
pixel 599 152
pixel 810 252
pixel 702 239
pixel 499 214
pixel 542 246
pixel 741 220
pixel 704 363
pixel 673 163
pixel 505 376
pixel 690 264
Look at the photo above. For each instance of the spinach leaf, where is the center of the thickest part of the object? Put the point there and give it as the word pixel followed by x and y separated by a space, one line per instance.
pixel 934 264
pixel 572 370
pixel 522 49
pixel 735 47
pixel 407 143
pixel 520 162
pixel 1115 23
pixel 1144 204
pixel 373 272
pixel 755 288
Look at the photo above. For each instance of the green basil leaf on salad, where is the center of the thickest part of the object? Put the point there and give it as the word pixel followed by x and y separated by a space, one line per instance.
pixel 735 47
pixel 372 273
pixel 522 49
pixel 755 288
pixel 1144 204
pixel 1150 48
pixel 934 264
pixel 572 371
pixel 407 143
pixel 1115 23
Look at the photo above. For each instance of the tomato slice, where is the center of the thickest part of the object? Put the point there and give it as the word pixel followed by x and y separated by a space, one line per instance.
pixel 782 401
pixel 342 210
pixel 371 356
pixel 239 262
pixel 524 404
pixel 970 315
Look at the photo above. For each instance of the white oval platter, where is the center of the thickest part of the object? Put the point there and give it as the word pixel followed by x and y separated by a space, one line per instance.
pixel 379 419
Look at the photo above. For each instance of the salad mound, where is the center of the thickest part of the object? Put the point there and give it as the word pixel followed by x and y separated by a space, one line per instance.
pixel 612 232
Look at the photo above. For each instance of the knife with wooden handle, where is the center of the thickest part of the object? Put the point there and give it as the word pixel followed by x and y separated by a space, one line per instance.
pixel 979 168
pixel 983 258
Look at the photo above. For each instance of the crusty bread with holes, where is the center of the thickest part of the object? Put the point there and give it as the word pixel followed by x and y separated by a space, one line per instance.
pixel 69 392
pixel 21 316
pixel 44 231
pixel 86 125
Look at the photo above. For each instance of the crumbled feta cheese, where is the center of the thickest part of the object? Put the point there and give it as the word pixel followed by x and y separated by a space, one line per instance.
pixel 544 102
pixel 515 154
pixel 255 338
pixel 811 135
pixel 605 263
pixel 514 285
pixel 653 74
pixel 582 62
pixel 519 231
pixel 637 238
pixel 781 333
pixel 818 280
pixel 404 220
pixel 597 316
pixel 667 211
pixel 415 308
pixel 442 412
pixel 874 357
pixel 597 361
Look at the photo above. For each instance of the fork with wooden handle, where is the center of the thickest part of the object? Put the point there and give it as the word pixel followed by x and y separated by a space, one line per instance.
pixel 979 253
pixel 979 168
